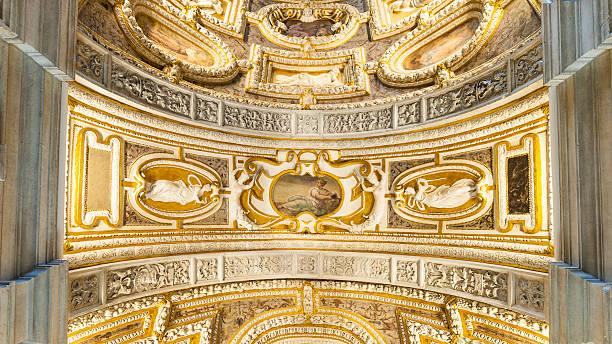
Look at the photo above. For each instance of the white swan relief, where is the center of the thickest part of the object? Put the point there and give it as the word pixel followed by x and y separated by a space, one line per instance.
pixel 177 191
pixel 443 196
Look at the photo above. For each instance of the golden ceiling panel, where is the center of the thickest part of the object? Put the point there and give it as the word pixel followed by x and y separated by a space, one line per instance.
pixel 307 191
pixel 182 50
pixel 97 184
pixel 457 190
pixel 443 44
pixel 275 20
pixel 203 46
pixel 307 76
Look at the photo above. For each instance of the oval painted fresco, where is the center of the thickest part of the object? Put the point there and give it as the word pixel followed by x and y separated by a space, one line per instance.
pixel 445 192
pixel 293 194
pixel 173 42
pixel 176 189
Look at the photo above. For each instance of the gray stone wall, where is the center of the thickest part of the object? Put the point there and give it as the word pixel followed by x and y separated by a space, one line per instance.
pixel 37 58
pixel 578 65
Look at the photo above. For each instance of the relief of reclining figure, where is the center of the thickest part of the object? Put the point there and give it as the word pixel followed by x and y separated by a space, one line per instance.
pixel 330 78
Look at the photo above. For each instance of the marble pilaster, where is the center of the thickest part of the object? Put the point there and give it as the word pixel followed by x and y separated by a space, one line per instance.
pixel 578 67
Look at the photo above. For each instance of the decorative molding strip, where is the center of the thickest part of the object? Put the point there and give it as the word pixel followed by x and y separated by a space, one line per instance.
pixel 117 282
pixel 146 277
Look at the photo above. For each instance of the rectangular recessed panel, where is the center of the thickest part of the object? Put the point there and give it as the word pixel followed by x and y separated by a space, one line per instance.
pixel 518 185
pixel 99 176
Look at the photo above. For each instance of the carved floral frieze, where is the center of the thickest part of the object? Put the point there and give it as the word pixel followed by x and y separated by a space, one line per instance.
pixel 321 311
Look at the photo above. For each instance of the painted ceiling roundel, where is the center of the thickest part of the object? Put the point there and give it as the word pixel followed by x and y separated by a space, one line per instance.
pixel 314 53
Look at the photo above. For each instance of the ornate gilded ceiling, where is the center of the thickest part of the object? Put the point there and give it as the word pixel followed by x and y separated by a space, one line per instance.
pixel 313 53
pixel 308 172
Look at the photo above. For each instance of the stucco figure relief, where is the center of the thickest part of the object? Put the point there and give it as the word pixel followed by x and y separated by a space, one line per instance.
pixel 173 189
pixel 330 78
pixel 239 183
pixel 372 183
pixel 443 196
pixel 179 192
pixel 454 191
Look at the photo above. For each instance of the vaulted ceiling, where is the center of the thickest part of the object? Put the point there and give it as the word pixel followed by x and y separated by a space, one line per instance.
pixel 308 172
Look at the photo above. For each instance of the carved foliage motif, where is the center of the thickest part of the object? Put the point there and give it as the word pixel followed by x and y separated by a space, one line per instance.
pixel 256 120
pixel 376 268
pixel 84 292
pixel 307 264
pixel 206 269
pixel 358 122
pixel 219 165
pixel 478 282
pixel 407 271
pixel 307 123
pixel 257 265
pixel 149 91
pixel 467 95
pixel 408 114
pixel 531 294
pixel 89 62
pixel 206 110
pixel 146 277
pixel 529 66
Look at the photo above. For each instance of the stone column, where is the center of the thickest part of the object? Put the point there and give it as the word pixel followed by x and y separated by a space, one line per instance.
pixel 36 62
pixel 578 68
